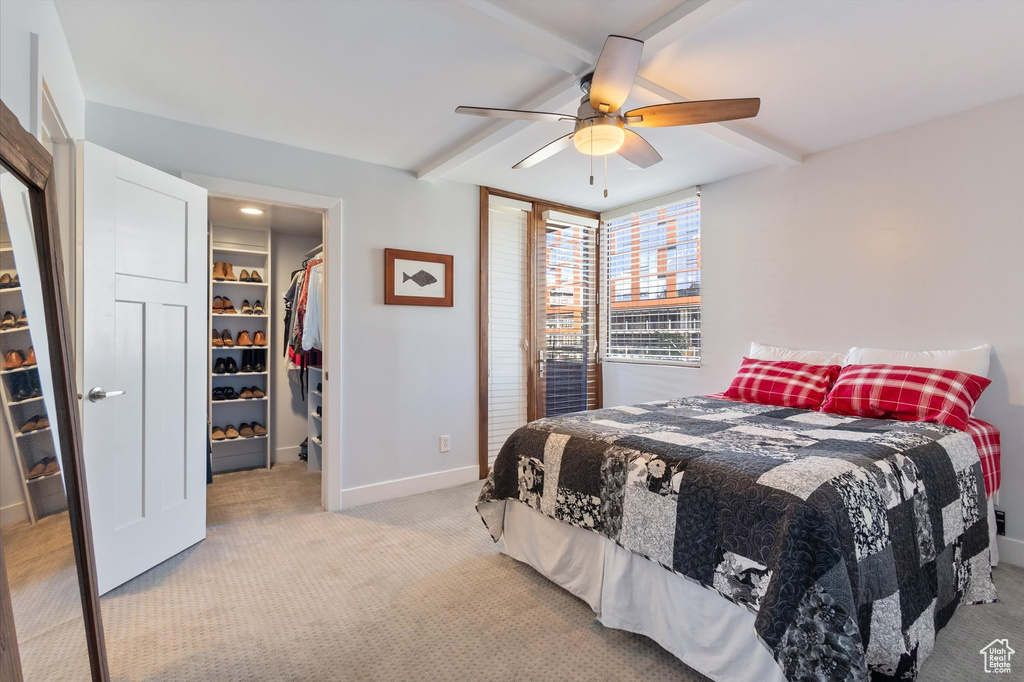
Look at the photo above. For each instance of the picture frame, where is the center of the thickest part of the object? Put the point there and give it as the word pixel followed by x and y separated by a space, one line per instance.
pixel 418 278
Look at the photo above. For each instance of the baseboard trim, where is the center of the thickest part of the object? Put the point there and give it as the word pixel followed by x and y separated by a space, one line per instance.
pixel 1011 551
pixel 288 454
pixel 403 487
pixel 13 513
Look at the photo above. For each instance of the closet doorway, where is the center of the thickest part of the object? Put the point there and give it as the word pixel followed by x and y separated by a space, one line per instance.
pixel 275 335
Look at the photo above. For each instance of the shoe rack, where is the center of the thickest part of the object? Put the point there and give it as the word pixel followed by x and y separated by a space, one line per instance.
pixel 315 421
pixel 35 454
pixel 247 250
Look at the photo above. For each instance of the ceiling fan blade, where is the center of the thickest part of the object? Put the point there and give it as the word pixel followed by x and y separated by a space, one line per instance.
pixel 615 71
pixel 638 151
pixel 689 113
pixel 514 113
pixel 547 151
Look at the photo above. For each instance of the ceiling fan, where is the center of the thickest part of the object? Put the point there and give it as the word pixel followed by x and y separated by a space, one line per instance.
pixel 601 129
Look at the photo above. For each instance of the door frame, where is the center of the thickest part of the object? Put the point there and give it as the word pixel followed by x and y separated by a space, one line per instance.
pixel 331 464
pixel 534 220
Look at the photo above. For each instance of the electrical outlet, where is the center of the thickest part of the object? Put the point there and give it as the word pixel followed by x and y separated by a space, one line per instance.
pixel 1000 523
pixel 445 444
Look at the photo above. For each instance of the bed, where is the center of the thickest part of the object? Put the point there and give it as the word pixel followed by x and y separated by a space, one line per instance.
pixel 754 542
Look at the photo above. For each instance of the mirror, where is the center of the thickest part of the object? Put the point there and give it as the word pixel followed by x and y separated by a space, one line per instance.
pixel 49 610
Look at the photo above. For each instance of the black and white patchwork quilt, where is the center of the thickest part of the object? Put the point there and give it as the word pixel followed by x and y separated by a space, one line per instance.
pixel 852 540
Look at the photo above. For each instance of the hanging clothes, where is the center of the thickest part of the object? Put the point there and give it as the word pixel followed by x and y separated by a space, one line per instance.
pixel 313 324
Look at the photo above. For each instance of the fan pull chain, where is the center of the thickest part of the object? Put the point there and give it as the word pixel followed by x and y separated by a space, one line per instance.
pixel 606 176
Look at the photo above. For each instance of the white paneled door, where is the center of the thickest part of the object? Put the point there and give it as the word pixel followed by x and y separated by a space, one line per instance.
pixel 144 297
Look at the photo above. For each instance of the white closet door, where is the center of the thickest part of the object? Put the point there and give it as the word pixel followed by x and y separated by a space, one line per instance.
pixel 145 333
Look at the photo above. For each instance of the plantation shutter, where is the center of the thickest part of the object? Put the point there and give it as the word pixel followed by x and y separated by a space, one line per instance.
pixel 507 316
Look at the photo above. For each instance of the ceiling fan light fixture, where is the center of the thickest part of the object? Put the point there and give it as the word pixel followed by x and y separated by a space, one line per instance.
pixel 251 210
pixel 599 138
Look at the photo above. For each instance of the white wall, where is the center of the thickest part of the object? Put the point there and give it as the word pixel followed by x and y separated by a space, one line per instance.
pixel 288 421
pixel 912 239
pixel 409 373
pixel 24 62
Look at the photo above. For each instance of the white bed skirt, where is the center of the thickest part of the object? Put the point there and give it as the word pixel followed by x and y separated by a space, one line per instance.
pixel 703 629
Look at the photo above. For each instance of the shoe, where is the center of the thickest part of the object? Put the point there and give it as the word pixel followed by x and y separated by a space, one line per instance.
pixel 218 271
pixel 230 432
pixel 31 425
pixel 246 394
pixel 255 278
pixel 230 367
pixel 257 308
pixel 39 468
pixel 9 321
pixel 243 276
pixel 217 433
pixel 229 393
pixel 246 308
pixel 43 423
pixel 5 281
pixel 245 431
pixel 228 306
pixel 35 389
pixel 218 305
pixel 216 339
pixel 229 274
pixel 52 468
pixel 258 429
pixel 243 338
pixel 220 367
pixel 259 361
pixel 318 408
pixel 259 339
pixel 246 361
pixel 22 320
pixel 319 388
pixel 257 393
pixel 13 359
pixel 30 359
pixel 218 393
pixel 16 282
pixel 225 338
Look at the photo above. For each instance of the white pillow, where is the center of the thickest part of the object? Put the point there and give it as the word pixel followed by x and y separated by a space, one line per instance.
pixel 972 360
pixel 759 351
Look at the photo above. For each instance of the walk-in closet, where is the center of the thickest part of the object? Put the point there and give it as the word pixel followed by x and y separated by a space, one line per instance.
pixel 266 337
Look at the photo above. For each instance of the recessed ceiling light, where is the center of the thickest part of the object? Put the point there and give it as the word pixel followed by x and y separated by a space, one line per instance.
pixel 250 210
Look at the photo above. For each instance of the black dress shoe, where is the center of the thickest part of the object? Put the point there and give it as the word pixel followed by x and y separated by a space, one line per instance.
pixel 259 361
pixel 220 367
pixel 246 361
pixel 230 366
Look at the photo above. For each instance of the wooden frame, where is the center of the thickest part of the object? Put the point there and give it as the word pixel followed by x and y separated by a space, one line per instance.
pixel 391 298
pixel 28 160
pixel 534 391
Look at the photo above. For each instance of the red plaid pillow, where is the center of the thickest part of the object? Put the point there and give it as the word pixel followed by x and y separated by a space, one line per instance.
pixel 783 383
pixel 913 394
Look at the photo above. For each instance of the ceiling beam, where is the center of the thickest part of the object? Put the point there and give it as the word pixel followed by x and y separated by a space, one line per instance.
pixel 576 62
pixel 732 132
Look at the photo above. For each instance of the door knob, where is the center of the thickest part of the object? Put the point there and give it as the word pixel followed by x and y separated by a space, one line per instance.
pixel 97 394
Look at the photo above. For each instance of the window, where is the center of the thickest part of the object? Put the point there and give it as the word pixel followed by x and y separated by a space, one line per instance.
pixel 652 282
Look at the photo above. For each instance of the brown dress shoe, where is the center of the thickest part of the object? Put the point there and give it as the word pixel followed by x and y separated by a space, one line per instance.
pixel 218 304
pixel 227 307
pixel 9 321
pixel 52 468
pixel 31 424
pixel 229 274
pixel 216 339
pixel 257 393
pixel 245 431
pixel 225 338
pixel 255 277
pixel 5 281
pixel 218 272
pixel 30 359
pixel 217 433
pixel 231 432
pixel 243 338
pixel 13 359
pixel 39 468
pixel 42 423
pixel 243 276
pixel 259 339
pixel 258 429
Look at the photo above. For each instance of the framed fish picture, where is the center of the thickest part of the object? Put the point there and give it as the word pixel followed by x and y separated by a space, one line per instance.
pixel 417 278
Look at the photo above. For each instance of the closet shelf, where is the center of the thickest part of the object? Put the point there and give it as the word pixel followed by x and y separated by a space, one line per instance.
pixel 16 329
pixel 240 439
pixel 42 478
pixel 237 374
pixel 241 250
pixel 20 369
pixel 241 284
pixel 31 433
pixel 26 401
pixel 11 290
pixel 238 347
pixel 239 315
pixel 317 393
pixel 238 400
pixel 317 441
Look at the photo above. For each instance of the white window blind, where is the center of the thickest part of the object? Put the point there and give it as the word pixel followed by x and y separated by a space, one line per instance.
pixel 506 323
pixel 651 269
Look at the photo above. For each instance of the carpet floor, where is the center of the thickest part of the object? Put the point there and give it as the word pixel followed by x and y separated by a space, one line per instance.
pixel 408 589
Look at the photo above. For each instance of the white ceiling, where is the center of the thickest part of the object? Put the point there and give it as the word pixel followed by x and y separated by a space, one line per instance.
pixel 379 81
pixel 305 222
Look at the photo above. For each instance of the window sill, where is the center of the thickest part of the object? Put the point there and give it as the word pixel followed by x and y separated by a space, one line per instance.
pixel 644 361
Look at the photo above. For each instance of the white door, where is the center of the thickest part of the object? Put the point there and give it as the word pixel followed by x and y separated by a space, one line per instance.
pixel 144 317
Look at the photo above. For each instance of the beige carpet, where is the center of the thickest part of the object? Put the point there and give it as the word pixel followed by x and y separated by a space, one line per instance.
pixel 408 589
